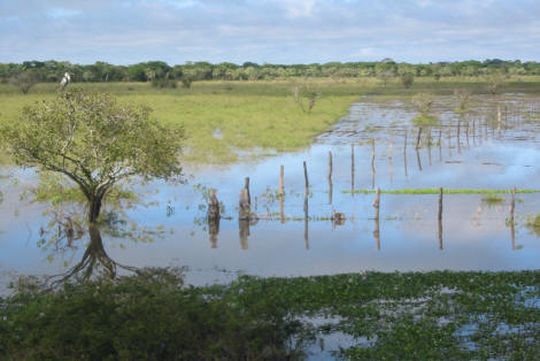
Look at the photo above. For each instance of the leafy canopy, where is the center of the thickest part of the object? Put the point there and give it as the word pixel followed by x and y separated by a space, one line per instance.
pixel 94 140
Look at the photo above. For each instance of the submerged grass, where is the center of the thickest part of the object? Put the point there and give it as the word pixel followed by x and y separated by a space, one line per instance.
pixel 492 199
pixel 533 223
pixel 490 192
pixel 412 316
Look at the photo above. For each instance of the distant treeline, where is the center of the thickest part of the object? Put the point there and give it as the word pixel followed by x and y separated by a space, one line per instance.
pixel 52 71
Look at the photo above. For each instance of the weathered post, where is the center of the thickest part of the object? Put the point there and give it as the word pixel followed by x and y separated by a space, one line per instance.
pixel 439 219
pixel 474 131
pixel 440 145
pixel 330 183
pixel 512 219
pixel 245 202
pixel 352 169
pixel 213 217
pixel 246 187
pixel 376 231
pixel 306 207
pixel 467 135
pixel 418 159
pixel 419 138
pixel 282 209
pixel 405 155
pixel 282 181
pixel 458 136
pixel 244 233
pixel 429 147
pixel 306 190
pixel 213 232
pixel 373 170
pixel 213 206
pixel 282 193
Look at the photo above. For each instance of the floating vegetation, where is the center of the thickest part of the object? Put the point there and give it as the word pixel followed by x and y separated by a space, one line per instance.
pixel 492 199
pixel 533 223
pixel 153 315
pixel 425 120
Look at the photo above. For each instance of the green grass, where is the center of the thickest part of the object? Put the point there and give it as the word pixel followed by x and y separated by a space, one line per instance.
pixel 267 118
pixel 490 192
pixel 253 114
pixel 328 87
pixel 425 120
pixel 151 316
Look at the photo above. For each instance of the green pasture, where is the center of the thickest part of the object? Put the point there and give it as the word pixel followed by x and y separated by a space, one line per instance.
pixel 224 118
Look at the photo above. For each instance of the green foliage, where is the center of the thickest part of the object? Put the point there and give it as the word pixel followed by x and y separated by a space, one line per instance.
pixel 385 70
pixel 187 82
pixel 149 316
pixel 463 96
pixel 533 223
pixel 423 102
pixel 25 80
pixel 164 83
pixel 495 82
pixel 94 141
pixel 152 315
pixel 305 96
pixel 492 199
pixel 407 80
pixel 425 120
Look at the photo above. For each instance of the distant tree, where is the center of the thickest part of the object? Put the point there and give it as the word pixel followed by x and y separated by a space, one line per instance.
pixel 407 80
pixel 463 97
pixel 495 82
pixel 187 81
pixel 93 141
pixel 25 80
pixel 423 102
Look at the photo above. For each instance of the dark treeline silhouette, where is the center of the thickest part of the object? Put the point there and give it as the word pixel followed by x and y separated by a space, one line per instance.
pixel 52 71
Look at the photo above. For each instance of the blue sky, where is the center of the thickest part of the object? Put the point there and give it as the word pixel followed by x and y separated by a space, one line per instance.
pixel 272 31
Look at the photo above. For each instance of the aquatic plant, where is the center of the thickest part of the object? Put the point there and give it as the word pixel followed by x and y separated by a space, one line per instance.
pixel 492 199
pixel 533 223
pixel 153 315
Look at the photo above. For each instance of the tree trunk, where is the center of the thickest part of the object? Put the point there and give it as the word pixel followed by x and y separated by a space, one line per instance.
pixel 94 209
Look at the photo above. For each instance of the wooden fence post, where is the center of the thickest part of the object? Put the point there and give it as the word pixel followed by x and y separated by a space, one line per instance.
pixel 282 181
pixel 439 219
pixel 213 217
pixel 330 183
pixel 377 205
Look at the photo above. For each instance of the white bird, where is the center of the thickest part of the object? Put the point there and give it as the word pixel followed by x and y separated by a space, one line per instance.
pixel 65 80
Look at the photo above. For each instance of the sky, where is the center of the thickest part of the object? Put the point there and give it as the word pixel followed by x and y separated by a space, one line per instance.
pixel 268 31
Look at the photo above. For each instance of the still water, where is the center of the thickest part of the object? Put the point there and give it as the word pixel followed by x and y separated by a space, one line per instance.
pixel 377 145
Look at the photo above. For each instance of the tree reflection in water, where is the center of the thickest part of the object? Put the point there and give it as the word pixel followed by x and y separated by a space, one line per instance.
pixel 67 231
pixel 94 262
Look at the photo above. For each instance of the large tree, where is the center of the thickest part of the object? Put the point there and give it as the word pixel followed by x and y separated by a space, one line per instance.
pixel 95 141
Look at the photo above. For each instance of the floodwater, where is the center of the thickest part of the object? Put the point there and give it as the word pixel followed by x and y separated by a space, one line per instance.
pixel 494 146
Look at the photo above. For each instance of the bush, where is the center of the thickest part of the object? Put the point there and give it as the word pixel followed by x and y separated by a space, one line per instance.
pixel 149 316
pixel 164 83
pixel 407 80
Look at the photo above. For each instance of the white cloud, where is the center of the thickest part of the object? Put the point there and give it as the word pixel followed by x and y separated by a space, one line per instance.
pixel 285 31
pixel 298 8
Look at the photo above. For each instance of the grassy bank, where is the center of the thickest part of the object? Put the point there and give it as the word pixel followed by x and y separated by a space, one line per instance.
pixel 406 316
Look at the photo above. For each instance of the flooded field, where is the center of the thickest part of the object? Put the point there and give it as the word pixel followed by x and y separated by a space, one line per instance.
pixel 494 146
